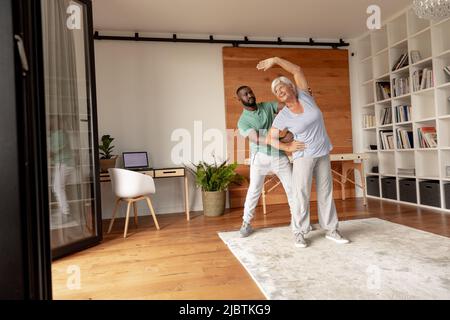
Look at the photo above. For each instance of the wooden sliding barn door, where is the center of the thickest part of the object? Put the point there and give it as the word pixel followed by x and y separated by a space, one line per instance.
pixel 328 75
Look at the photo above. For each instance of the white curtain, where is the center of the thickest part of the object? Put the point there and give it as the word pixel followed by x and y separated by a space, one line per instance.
pixel 68 189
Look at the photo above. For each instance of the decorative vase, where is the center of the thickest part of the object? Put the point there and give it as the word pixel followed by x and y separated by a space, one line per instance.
pixel 105 164
pixel 213 203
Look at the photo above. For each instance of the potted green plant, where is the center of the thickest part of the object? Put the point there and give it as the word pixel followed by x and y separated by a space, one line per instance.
pixel 107 159
pixel 214 180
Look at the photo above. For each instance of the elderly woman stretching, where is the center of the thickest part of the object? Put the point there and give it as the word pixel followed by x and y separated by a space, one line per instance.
pixel 303 118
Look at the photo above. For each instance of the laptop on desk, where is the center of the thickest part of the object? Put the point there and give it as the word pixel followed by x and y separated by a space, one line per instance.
pixel 136 161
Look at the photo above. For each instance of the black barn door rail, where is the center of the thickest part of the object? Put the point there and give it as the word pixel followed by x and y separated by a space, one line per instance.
pixel 235 43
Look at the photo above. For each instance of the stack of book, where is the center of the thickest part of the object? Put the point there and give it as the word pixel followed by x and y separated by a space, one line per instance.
pixel 402 113
pixel 368 121
pixel 400 86
pixel 406 171
pixel 427 137
pixel 415 56
pixel 401 62
pixel 405 138
pixel 422 79
pixel 387 139
pixel 383 90
pixel 386 116
pixel 104 177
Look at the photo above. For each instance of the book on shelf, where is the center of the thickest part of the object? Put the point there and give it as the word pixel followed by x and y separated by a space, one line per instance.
pixel 386 116
pixel 401 62
pixel 386 139
pixel 390 139
pixel 368 121
pixel 400 86
pixel 383 90
pixel 402 113
pixel 406 171
pixel 416 79
pixel 427 79
pixel 422 79
pixel 427 137
pixel 405 138
pixel 415 56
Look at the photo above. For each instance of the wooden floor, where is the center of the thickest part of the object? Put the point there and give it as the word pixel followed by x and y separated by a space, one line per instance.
pixel 187 260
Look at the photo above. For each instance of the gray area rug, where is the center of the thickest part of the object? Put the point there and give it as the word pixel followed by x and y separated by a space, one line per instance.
pixel 384 261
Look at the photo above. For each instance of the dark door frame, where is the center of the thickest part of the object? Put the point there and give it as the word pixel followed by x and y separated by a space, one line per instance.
pixel 29 267
pixel 12 265
pixel 29 23
pixel 92 119
pixel 25 235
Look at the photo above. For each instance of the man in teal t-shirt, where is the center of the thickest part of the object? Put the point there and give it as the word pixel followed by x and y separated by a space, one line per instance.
pixel 63 163
pixel 255 122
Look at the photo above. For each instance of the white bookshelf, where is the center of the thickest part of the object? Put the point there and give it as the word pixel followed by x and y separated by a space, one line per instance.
pixel 376 54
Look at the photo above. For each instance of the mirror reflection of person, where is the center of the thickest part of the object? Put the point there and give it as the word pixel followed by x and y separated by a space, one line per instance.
pixel 62 161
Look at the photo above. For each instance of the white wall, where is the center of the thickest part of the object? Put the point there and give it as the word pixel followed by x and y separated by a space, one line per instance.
pixel 356 113
pixel 144 92
pixel 354 95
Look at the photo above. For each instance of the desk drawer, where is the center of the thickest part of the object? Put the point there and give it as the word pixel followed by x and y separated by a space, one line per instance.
pixel 163 173
pixel 148 173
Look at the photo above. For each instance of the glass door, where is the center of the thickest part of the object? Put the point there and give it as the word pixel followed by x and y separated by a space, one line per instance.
pixel 71 125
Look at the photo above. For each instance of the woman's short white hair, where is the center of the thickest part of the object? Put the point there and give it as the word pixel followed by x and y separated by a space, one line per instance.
pixel 282 80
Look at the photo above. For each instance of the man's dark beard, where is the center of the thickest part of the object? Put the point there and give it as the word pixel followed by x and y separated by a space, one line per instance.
pixel 247 104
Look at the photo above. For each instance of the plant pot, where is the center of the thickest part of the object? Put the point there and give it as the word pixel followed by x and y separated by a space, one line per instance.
pixel 105 164
pixel 213 203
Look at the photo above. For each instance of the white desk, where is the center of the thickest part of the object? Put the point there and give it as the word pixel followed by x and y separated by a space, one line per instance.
pixel 350 161
pixel 163 174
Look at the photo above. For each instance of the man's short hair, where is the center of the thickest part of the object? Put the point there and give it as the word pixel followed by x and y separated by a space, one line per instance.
pixel 240 88
pixel 282 80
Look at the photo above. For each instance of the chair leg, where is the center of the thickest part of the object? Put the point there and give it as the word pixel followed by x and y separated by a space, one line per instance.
pixel 114 214
pixel 126 219
pixel 149 202
pixel 135 214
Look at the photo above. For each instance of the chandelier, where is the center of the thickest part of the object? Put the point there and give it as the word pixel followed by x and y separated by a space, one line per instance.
pixel 432 9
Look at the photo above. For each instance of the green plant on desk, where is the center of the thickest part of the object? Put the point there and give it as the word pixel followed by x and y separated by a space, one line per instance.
pixel 214 180
pixel 105 147
pixel 107 159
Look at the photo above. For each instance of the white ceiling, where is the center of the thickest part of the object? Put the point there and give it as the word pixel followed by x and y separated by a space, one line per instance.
pixel 325 19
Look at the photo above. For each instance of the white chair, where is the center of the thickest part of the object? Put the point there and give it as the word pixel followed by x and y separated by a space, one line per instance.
pixel 131 186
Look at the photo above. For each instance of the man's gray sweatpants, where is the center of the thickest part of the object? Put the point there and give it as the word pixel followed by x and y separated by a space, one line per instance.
pixel 261 165
pixel 303 171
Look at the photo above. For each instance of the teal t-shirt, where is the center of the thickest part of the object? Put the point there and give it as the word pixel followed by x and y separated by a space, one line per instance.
pixel 60 149
pixel 261 121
